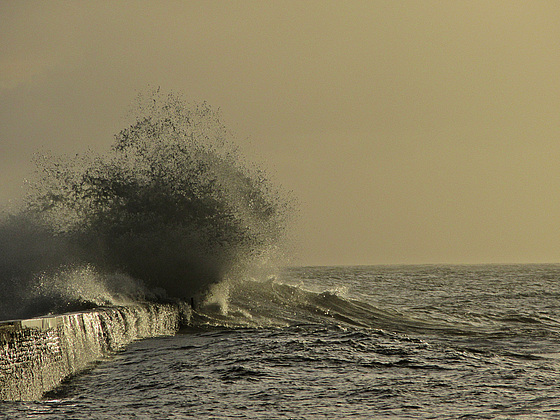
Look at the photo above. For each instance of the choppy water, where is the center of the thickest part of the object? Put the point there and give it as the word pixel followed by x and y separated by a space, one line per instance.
pixel 342 342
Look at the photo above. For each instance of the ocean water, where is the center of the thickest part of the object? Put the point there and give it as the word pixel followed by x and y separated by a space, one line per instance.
pixel 173 211
pixel 419 342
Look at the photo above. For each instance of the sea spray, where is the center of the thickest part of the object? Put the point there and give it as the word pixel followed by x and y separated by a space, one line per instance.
pixel 171 209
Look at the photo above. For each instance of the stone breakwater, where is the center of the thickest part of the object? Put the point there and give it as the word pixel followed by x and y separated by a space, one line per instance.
pixel 37 354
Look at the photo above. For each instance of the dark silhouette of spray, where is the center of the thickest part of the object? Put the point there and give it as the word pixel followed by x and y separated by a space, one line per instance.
pixel 172 206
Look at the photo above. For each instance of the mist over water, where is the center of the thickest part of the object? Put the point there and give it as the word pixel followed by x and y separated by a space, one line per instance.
pixel 170 210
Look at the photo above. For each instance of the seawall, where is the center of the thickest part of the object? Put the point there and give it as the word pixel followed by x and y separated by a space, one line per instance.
pixel 37 354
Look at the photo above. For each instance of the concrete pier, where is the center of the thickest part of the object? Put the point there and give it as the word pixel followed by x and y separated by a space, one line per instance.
pixel 37 354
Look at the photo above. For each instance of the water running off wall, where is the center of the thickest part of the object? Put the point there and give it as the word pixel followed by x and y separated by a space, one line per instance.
pixel 37 354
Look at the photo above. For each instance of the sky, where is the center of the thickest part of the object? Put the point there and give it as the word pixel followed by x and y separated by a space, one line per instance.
pixel 409 132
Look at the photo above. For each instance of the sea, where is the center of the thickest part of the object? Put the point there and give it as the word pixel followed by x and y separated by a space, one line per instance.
pixel 173 211
pixel 365 342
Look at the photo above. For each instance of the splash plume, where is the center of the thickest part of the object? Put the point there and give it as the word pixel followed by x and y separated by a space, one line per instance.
pixel 172 206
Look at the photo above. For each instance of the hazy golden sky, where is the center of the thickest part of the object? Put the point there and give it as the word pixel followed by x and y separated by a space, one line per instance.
pixel 410 131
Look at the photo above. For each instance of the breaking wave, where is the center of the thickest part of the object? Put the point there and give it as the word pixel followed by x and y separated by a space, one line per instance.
pixel 169 211
pixel 257 303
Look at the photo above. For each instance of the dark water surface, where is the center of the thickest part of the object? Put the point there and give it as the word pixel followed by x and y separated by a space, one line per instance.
pixel 342 342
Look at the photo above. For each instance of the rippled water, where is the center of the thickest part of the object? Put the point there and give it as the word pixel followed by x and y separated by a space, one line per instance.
pixel 342 342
